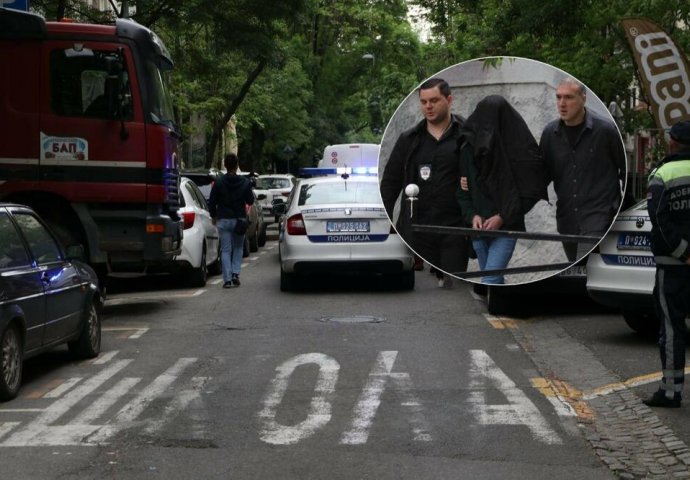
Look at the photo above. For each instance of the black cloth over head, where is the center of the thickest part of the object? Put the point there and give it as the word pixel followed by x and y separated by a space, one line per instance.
pixel 510 168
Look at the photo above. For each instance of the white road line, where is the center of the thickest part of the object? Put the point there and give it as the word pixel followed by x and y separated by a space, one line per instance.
pixel 105 357
pixel 105 401
pixel 217 281
pixel 179 403
pixel 38 432
pixel 138 333
pixel 62 388
pixel 5 427
pixel 133 409
pixel 21 410
pixel 198 292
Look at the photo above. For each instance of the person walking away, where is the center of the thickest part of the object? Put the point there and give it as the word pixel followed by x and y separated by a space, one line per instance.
pixel 426 155
pixel 230 195
pixel 668 204
pixel 505 176
pixel 585 159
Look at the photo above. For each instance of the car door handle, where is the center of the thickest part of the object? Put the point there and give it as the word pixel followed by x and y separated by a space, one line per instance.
pixel 45 278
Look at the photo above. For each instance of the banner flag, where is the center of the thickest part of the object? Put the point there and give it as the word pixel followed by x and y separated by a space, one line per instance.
pixel 664 71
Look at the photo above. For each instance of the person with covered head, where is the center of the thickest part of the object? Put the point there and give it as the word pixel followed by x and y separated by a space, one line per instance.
pixel 505 175
pixel 668 204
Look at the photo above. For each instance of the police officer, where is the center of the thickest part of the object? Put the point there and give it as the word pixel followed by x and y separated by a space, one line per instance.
pixel 668 203
pixel 427 155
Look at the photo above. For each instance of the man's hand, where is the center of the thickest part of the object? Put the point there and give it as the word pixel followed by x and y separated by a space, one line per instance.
pixel 477 222
pixel 493 223
pixel 463 184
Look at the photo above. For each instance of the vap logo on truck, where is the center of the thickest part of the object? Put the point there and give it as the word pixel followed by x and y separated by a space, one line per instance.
pixel 64 148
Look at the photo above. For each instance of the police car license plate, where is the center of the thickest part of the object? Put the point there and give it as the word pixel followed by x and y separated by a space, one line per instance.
pixel 361 226
pixel 634 241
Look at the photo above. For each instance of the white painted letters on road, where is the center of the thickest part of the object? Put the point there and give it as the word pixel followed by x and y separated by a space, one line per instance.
pixel 370 399
pixel 484 375
pixel 320 408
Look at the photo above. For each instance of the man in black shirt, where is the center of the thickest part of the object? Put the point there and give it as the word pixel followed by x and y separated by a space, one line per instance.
pixel 585 159
pixel 427 155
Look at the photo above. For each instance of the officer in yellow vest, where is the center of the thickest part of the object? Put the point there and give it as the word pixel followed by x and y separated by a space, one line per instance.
pixel 668 203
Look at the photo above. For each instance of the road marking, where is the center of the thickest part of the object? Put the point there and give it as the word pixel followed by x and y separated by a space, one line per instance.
pixel 217 281
pixel 105 401
pixel 180 402
pixel 105 357
pixel 320 407
pixel 21 410
pixel 485 375
pixel 629 383
pixel 64 387
pixel 39 432
pixel 5 427
pixel 501 323
pixel 566 400
pixel 123 299
pixel 138 332
pixel 39 392
pixel 136 406
pixel 370 400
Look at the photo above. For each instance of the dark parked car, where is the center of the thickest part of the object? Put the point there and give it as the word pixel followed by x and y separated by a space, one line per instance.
pixel 46 298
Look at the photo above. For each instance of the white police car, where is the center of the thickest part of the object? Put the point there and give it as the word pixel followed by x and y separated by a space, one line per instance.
pixel 620 272
pixel 336 224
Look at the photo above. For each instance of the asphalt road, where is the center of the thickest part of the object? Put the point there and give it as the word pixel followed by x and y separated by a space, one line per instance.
pixel 346 379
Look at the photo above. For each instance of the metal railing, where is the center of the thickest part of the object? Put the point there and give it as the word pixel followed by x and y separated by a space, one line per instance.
pixel 471 232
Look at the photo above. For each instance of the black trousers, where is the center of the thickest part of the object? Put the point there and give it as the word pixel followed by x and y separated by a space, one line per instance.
pixel 445 252
pixel 672 298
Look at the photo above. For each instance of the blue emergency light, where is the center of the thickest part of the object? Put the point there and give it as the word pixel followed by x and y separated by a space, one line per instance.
pixel 342 171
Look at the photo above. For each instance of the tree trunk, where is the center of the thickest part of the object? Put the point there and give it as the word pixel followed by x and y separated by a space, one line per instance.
pixel 220 123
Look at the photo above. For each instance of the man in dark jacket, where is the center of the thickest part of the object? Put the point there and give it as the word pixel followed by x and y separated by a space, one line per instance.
pixel 585 158
pixel 668 203
pixel 230 195
pixel 427 155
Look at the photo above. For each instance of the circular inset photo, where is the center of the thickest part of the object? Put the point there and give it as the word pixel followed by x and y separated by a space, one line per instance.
pixel 502 170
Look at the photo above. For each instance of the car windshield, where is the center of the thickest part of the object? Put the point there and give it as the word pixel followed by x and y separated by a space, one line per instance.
pixel 268 183
pixel 340 192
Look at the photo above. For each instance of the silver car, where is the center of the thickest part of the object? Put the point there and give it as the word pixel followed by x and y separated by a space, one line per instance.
pixel 620 272
pixel 273 186
pixel 337 224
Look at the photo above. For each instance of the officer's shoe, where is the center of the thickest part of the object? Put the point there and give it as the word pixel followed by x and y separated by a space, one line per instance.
pixel 659 399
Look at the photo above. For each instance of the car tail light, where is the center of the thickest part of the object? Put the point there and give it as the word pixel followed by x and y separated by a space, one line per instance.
pixel 188 218
pixel 285 194
pixel 295 225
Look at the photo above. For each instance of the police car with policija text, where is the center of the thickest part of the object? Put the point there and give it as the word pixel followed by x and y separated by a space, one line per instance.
pixel 336 224
pixel 621 270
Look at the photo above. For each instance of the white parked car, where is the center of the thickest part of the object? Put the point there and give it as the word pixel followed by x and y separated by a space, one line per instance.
pixel 200 243
pixel 337 224
pixel 275 186
pixel 620 272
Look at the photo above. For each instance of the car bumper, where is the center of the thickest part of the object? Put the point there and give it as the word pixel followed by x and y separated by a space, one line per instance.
pixel 299 255
pixel 624 287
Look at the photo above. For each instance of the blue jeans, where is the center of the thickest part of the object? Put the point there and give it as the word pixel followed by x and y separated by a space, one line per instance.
pixel 231 248
pixel 493 254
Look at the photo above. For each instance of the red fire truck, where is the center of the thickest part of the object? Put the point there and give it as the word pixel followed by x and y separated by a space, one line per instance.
pixel 88 138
